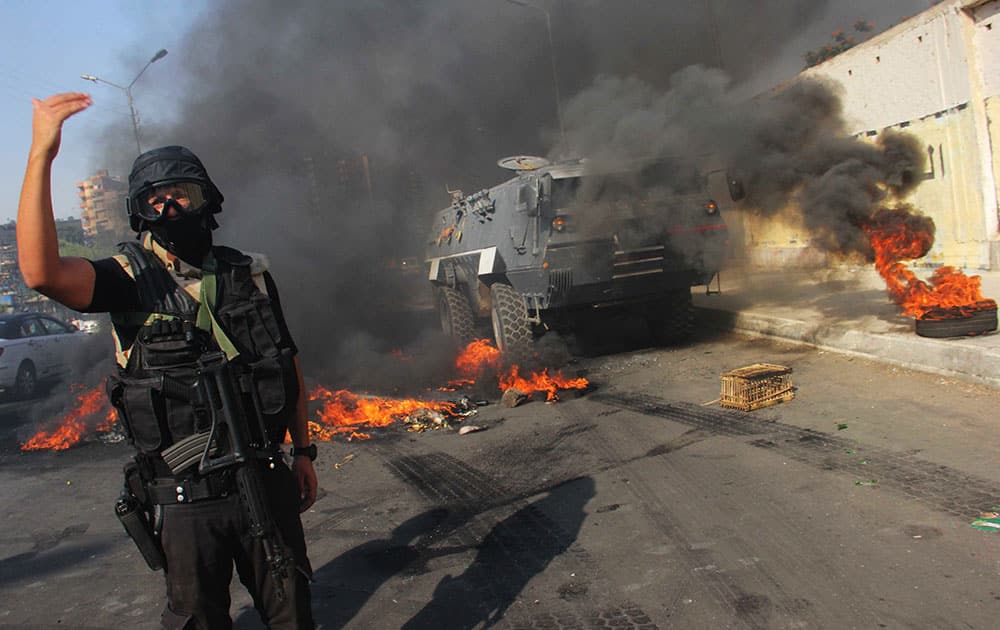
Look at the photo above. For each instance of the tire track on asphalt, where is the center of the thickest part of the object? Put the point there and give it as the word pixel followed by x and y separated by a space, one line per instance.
pixel 520 541
pixel 938 486
pixel 747 610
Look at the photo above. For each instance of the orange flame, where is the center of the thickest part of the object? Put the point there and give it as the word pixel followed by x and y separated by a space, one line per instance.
pixel 319 433
pixel 477 356
pixel 540 382
pixel 948 294
pixel 481 356
pixel 341 412
pixel 109 421
pixel 345 412
pixel 473 362
pixel 72 427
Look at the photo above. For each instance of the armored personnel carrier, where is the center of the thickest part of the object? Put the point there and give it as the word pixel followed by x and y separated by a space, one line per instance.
pixel 561 240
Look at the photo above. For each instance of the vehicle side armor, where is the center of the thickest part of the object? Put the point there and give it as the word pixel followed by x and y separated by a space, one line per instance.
pixel 558 240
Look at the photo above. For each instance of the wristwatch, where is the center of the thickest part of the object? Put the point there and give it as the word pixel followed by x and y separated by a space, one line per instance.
pixel 308 451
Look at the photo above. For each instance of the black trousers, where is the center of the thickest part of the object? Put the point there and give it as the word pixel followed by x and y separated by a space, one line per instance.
pixel 203 541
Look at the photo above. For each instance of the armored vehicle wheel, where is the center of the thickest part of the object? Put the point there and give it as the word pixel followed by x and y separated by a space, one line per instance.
pixel 456 315
pixel 511 328
pixel 671 320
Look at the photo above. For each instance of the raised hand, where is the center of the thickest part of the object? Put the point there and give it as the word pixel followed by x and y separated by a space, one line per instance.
pixel 48 118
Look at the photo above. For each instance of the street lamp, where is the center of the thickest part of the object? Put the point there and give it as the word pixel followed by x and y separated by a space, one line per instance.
pixel 552 56
pixel 160 54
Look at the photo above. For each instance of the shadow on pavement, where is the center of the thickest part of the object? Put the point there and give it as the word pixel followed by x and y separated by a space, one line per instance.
pixel 33 565
pixel 511 554
pixel 513 551
pixel 342 586
pixel 346 583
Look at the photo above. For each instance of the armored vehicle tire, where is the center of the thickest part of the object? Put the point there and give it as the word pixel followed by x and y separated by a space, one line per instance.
pixel 672 319
pixel 511 328
pixel 456 315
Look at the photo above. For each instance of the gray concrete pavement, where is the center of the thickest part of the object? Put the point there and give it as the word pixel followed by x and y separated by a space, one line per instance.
pixel 632 505
pixel 847 310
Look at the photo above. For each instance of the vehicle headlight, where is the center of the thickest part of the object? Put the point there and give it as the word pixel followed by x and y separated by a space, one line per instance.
pixel 711 207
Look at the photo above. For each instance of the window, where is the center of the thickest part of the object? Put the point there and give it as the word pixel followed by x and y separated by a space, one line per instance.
pixel 32 328
pixel 54 327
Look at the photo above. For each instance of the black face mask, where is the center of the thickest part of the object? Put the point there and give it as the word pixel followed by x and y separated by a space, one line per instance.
pixel 189 237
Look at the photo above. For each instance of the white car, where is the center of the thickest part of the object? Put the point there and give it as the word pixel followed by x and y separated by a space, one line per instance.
pixel 34 348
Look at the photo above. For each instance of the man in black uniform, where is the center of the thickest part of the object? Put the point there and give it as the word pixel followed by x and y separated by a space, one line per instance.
pixel 185 312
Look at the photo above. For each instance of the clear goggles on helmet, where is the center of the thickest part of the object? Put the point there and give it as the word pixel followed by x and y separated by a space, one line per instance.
pixel 159 201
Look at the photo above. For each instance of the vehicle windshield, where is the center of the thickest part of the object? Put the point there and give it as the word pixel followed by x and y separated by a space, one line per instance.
pixel 7 331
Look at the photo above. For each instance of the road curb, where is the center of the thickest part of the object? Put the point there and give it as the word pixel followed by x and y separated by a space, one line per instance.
pixel 958 357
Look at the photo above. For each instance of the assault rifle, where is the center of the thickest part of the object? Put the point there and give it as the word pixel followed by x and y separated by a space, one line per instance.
pixel 236 440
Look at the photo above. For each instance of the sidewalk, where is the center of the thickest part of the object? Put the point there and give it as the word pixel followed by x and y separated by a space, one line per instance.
pixel 847 310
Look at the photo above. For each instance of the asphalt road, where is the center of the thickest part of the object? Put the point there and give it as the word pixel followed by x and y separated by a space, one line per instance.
pixel 634 504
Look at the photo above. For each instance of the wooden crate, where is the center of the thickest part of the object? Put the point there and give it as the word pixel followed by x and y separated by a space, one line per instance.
pixel 755 386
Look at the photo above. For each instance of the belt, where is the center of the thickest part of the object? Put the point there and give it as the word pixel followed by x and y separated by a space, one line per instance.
pixel 173 491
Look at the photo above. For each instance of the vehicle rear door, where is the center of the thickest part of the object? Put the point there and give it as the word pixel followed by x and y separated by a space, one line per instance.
pixel 39 352
pixel 61 342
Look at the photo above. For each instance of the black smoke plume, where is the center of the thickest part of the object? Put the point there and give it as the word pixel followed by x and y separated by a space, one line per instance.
pixel 790 148
pixel 334 128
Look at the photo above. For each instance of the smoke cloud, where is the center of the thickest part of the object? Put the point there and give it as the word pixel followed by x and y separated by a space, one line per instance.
pixel 333 130
pixel 790 149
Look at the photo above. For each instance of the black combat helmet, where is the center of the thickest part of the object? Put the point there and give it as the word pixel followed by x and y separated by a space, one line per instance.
pixel 178 172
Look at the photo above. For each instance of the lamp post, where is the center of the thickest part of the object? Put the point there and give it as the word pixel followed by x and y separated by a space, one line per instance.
pixel 552 57
pixel 160 54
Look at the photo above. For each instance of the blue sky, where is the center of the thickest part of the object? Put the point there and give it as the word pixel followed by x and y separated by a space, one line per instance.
pixel 47 45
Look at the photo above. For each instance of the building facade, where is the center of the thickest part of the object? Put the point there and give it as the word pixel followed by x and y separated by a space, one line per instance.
pixel 102 206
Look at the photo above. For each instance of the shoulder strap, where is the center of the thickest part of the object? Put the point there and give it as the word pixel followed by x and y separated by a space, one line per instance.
pixel 207 298
pixel 230 256
pixel 158 293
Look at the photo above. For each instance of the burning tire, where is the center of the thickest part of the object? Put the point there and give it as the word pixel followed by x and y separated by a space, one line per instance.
pixel 978 323
pixel 456 315
pixel 672 320
pixel 511 328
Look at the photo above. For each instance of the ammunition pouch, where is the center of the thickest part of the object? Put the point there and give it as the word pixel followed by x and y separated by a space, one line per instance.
pixel 274 380
pixel 170 344
pixel 248 317
pixel 142 402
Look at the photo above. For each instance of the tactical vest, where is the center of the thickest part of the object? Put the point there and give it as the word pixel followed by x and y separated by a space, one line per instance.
pixel 172 331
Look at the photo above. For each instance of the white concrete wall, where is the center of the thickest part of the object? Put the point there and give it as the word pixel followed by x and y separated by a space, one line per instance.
pixel 986 40
pixel 912 70
pixel 937 76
